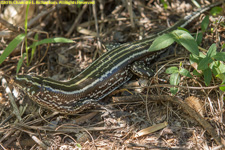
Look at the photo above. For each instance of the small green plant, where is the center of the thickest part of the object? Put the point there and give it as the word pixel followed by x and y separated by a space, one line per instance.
pixel 79 146
pixel 165 5
pixel 216 10
pixel 209 62
pixel 23 36
pixel 175 76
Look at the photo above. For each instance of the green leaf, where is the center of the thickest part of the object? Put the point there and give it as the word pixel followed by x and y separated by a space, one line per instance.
pixel 195 72
pixel 205 23
pixel 165 5
pixel 212 50
pixel 180 28
pixel 34 48
pixel 185 72
pixel 219 56
pixel 173 90
pixel 161 42
pixel 222 88
pixel 216 10
pixel 201 55
pixel 204 63
pixel 12 45
pixel 211 65
pixel 198 38
pixel 20 63
pixel 186 40
pixel 52 40
pixel 193 59
pixel 217 64
pixel 171 70
pixel 174 80
pixel 207 76
pixel 222 77
pixel 26 16
pixel 25 27
pixel 218 67
pixel 223 46
pixel 78 145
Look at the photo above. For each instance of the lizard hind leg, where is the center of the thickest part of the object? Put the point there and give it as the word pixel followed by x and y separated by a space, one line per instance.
pixel 141 69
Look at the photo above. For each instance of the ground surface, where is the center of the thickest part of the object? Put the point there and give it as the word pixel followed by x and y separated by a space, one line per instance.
pixel 174 124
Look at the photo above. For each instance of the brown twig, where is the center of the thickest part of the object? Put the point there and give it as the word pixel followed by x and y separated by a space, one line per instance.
pixel 11 26
pixel 177 86
pixel 12 101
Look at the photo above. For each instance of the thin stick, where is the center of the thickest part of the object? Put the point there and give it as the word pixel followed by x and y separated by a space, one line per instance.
pixel 12 101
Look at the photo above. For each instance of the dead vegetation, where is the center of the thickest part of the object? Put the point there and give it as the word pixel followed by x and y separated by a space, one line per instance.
pixel 149 118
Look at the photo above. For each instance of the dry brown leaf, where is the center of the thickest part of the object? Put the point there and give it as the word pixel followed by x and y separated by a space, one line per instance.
pixel 196 104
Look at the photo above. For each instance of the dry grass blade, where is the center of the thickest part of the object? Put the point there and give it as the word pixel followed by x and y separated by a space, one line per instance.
pixel 15 108
pixel 39 142
pixel 151 129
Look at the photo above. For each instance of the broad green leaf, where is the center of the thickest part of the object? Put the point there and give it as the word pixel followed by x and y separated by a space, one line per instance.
pixel 52 40
pixel 207 76
pixel 195 72
pixel 173 90
pixel 205 23
pixel 12 45
pixel 20 62
pixel 174 80
pixel 185 72
pixel 193 59
pixel 204 63
pixel 216 10
pixel 218 67
pixel 161 42
pixel 171 70
pixel 219 56
pixel 196 59
pixel 186 40
pixel 212 50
